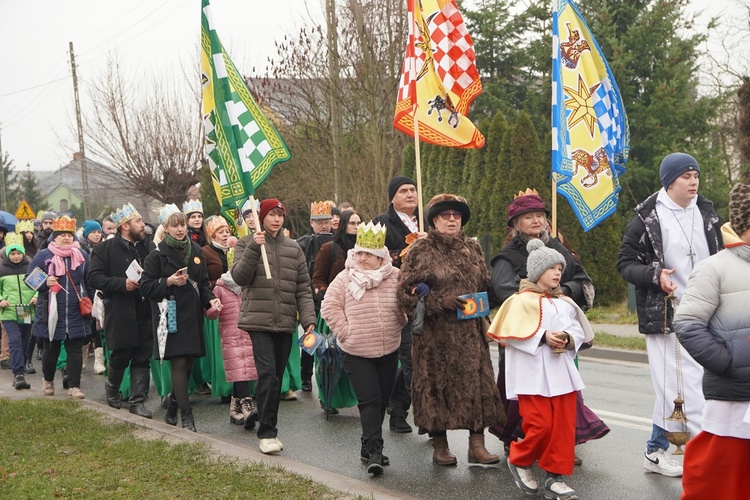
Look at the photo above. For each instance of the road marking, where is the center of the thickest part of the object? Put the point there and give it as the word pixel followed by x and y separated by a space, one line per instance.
pixel 624 420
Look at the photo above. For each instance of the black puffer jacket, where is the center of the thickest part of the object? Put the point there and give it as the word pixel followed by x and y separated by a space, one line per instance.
pixel 641 259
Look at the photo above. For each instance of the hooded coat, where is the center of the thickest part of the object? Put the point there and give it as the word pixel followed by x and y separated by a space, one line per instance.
pixel 236 346
pixel 453 382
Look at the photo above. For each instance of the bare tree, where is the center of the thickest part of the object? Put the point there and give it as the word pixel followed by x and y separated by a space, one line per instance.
pixel 313 85
pixel 150 132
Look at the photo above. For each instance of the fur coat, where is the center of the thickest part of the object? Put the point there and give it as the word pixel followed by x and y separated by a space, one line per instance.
pixel 453 382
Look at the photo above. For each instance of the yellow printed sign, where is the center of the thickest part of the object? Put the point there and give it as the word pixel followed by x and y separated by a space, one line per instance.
pixel 25 211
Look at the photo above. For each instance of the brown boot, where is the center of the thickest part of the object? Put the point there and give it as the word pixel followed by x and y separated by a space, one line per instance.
pixel 478 454
pixel 441 454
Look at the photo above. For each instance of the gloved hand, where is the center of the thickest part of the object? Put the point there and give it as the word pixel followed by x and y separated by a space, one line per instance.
pixel 452 302
pixel 422 290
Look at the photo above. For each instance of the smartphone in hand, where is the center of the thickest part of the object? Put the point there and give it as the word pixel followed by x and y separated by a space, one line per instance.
pixel 183 271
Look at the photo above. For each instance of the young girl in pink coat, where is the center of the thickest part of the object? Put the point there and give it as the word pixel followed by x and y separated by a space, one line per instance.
pixel 237 351
pixel 361 309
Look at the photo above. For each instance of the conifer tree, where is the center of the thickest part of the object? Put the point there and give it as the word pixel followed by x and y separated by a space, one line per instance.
pixel 409 161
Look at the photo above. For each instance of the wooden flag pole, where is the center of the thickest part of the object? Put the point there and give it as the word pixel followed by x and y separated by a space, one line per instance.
pixel 418 169
pixel 417 156
pixel 263 253
pixel 554 206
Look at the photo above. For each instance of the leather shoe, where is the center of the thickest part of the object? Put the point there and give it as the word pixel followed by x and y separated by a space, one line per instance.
pixel 399 424
pixel 306 386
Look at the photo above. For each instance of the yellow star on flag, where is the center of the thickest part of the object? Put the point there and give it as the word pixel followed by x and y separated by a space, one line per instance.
pixel 581 102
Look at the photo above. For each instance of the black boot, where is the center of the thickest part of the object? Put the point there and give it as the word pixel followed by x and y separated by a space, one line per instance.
pixel 112 387
pixel 170 416
pixel 364 455
pixel 188 422
pixel 375 462
pixel 139 379
pixel 19 382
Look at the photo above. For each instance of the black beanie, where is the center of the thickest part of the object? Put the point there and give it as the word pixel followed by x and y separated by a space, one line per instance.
pixel 396 183
pixel 674 165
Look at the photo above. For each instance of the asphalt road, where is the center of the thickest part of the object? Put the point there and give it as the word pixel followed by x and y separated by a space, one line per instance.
pixel 619 392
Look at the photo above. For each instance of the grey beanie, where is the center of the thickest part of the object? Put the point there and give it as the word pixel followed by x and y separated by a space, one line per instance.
pixel 540 259
pixel 674 165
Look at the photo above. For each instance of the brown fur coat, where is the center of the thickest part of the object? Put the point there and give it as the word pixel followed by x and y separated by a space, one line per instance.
pixel 453 383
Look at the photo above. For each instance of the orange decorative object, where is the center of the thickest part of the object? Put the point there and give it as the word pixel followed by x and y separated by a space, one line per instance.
pixel 309 340
pixel 471 306
pixel 64 223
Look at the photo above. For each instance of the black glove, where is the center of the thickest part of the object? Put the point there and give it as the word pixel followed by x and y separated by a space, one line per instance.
pixel 452 302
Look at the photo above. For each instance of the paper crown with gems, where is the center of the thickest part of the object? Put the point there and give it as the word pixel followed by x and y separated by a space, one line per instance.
pixel 248 207
pixel 25 226
pixel 192 206
pixel 166 211
pixel 64 224
pixel 124 214
pixel 371 239
pixel 320 210
pixel 523 202
pixel 14 241
pixel 214 222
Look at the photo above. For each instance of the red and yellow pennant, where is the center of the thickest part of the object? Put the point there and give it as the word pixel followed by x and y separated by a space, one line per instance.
pixel 439 78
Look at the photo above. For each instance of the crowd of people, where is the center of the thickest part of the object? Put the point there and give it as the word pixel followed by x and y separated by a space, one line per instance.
pixel 196 310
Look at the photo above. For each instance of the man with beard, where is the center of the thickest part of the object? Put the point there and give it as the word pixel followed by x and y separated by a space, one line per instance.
pixel 109 227
pixel 127 315
pixel 46 231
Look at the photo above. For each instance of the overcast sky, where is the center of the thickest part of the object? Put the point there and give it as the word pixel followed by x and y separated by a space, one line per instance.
pixel 36 91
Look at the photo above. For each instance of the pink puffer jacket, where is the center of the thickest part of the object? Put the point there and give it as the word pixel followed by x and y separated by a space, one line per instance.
pixel 369 327
pixel 236 347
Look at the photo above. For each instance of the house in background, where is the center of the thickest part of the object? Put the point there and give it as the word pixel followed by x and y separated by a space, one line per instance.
pixel 108 190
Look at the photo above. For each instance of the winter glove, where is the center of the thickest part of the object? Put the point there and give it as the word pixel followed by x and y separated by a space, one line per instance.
pixel 422 290
pixel 452 302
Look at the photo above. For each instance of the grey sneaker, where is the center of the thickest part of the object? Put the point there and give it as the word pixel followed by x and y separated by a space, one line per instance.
pixel 524 479
pixel 659 462
pixel 556 489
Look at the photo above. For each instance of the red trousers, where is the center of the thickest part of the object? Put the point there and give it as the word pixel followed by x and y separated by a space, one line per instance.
pixel 550 428
pixel 715 467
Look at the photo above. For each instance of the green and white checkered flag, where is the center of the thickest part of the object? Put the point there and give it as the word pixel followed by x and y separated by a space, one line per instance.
pixel 241 143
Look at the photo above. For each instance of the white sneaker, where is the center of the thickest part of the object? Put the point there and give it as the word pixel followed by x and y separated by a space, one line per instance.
pixel 269 445
pixel 281 445
pixel 556 489
pixel 659 462
pixel 524 479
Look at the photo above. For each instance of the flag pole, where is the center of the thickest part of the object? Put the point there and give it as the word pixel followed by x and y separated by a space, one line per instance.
pixel 263 253
pixel 415 107
pixel 554 206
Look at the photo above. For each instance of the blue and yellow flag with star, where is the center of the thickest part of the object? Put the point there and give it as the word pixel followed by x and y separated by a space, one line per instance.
pixel 590 136
pixel 242 145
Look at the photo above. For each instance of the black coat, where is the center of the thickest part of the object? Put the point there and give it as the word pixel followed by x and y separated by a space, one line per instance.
pixel 396 233
pixel 641 259
pixel 123 310
pixel 191 301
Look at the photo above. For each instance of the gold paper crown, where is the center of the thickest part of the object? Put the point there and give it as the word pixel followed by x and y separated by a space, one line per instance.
pixel 166 211
pixel 124 214
pixel 214 222
pixel 64 223
pixel 526 193
pixel 25 226
pixel 320 210
pixel 192 206
pixel 371 236
pixel 13 239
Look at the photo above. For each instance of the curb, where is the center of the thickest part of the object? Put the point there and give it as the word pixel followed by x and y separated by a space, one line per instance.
pixel 604 353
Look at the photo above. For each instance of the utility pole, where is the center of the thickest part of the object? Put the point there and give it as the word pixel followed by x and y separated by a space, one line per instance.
pixel 84 176
pixel 335 77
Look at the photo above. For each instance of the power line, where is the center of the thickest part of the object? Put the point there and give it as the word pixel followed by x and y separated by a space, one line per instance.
pixel 35 86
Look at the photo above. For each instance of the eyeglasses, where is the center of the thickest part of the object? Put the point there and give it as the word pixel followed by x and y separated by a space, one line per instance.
pixel 450 213
pixel 354 223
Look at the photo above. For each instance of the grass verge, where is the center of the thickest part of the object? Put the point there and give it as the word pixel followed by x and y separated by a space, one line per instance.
pixel 57 449
pixel 617 314
pixel 616 342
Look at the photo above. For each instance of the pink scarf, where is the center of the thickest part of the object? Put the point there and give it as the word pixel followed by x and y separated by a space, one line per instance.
pixel 57 267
